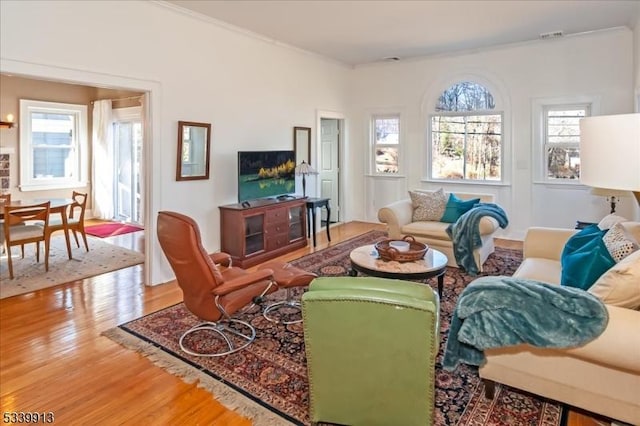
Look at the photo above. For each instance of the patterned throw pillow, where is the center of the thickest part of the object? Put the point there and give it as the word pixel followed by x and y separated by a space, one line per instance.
pixel 428 205
pixel 620 285
pixel 619 243
pixel 609 220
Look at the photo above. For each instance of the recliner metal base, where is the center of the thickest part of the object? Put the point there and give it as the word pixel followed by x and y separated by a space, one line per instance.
pixel 279 305
pixel 220 328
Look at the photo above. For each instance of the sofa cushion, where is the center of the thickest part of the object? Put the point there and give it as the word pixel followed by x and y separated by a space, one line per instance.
pixel 438 230
pixel 428 205
pixel 432 229
pixel 539 269
pixel 633 228
pixel 619 242
pixel 584 258
pixel 620 285
pixel 456 207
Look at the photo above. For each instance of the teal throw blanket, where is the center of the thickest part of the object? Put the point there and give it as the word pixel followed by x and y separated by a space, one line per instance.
pixel 494 312
pixel 465 234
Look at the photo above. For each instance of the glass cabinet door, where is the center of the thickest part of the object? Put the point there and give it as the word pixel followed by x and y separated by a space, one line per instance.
pixel 254 234
pixel 296 223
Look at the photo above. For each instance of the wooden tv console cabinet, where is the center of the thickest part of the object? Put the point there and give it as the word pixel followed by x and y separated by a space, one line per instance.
pixel 263 230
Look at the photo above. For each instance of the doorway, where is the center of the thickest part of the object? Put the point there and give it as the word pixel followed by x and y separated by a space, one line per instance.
pixel 329 167
pixel 128 137
pixel 153 273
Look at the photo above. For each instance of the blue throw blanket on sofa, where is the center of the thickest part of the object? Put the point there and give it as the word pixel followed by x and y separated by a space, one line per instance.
pixel 494 312
pixel 465 233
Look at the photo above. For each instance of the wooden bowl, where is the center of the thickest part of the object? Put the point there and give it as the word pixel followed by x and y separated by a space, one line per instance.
pixel 416 250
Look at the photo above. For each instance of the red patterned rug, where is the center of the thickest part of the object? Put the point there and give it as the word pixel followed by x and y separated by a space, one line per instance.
pixel 105 230
pixel 267 382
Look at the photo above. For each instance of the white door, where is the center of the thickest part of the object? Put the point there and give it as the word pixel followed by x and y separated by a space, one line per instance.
pixel 127 154
pixel 330 165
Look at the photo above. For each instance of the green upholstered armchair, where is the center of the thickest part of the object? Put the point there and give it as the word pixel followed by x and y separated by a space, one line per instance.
pixel 371 345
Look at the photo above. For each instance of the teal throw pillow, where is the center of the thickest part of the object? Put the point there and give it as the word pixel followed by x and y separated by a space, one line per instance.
pixel 456 207
pixel 585 258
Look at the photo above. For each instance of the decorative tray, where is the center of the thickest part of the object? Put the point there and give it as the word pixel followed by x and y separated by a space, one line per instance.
pixel 416 250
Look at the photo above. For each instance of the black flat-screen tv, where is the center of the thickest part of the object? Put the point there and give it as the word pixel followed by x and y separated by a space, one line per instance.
pixel 263 174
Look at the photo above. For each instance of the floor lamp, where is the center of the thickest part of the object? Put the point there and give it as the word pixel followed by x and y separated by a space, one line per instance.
pixel 610 152
pixel 303 169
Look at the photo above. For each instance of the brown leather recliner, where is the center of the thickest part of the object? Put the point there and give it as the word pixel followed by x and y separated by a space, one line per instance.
pixel 211 293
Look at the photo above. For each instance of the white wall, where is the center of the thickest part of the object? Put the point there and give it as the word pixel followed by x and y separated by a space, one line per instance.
pixel 636 56
pixel 598 64
pixel 252 92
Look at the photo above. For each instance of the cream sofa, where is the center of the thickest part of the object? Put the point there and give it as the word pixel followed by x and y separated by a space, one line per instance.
pixel 602 376
pixel 398 217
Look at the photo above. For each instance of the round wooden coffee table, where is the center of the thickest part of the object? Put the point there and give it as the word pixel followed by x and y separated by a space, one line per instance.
pixel 365 259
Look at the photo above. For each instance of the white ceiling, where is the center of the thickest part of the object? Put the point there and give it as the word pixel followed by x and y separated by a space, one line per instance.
pixel 359 32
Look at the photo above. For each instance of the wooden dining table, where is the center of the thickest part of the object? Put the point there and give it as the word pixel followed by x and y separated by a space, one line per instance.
pixel 57 206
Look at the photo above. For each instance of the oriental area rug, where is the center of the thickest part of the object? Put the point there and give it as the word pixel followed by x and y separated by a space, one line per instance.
pixel 30 275
pixel 267 381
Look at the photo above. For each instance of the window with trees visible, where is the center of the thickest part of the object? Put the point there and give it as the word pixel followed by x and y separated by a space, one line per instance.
pixel 53 145
pixel 466 135
pixel 386 143
pixel 562 141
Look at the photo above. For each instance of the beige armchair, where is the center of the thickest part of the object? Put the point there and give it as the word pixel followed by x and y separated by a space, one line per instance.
pixel 398 217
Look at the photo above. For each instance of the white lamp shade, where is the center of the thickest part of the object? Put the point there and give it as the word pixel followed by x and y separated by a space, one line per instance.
pixel 610 151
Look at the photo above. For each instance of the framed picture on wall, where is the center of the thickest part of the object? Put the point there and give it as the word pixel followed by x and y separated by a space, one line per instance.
pixel 194 144
pixel 302 144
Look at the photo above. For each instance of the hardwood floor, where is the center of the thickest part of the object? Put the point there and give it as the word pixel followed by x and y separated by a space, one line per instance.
pixel 53 358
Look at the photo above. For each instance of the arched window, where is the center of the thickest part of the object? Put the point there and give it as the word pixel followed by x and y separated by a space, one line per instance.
pixel 465 96
pixel 466 135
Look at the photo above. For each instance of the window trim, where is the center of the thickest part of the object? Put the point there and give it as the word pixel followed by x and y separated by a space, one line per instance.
pixel 431 178
pixel 27 183
pixel 373 145
pixel 538 133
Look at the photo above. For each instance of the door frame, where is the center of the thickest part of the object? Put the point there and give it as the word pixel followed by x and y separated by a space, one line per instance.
pixel 320 114
pixel 151 156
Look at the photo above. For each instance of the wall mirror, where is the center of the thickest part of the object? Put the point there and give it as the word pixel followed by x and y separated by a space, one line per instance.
pixel 193 150
pixel 302 144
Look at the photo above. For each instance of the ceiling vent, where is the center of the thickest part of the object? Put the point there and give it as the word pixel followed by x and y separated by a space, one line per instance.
pixel 550 35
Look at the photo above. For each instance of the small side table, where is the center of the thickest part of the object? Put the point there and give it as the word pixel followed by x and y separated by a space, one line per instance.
pixel 312 205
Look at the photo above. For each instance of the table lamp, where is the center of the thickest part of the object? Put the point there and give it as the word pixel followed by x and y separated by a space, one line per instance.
pixel 613 196
pixel 610 152
pixel 303 169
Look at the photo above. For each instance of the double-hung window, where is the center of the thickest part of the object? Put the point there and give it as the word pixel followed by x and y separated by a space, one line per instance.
pixel 53 145
pixel 561 124
pixel 466 135
pixel 385 131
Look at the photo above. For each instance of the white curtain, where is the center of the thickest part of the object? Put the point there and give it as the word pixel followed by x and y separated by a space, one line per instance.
pixel 102 144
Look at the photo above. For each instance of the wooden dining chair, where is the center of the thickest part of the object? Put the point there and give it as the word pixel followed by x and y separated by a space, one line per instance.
pixel 75 222
pixel 4 200
pixel 19 229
